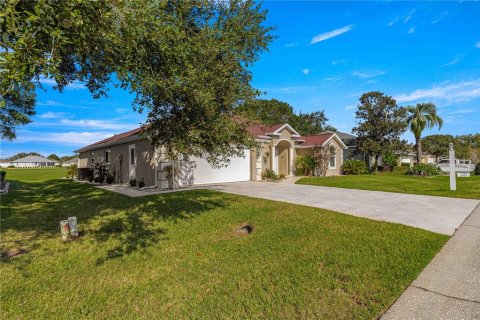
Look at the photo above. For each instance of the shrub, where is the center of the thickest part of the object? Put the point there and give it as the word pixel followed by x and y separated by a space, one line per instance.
pixel 477 169
pixel 11 166
pixel 282 176
pixel 110 179
pixel 133 182
pixel 403 164
pixel 72 171
pixel 141 183
pixel 269 174
pixel 90 178
pixel 424 169
pixel 305 165
pixel 2 175
pixel 401 169
pixel 354 167
pixel 101 178
pixel 390 160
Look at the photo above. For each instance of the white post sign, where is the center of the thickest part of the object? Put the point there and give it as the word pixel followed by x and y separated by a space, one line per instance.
pixel 451 157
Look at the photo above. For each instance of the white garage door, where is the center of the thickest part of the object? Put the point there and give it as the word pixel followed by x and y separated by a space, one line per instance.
pixel 237 170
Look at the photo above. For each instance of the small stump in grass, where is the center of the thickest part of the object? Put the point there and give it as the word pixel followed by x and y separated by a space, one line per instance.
pixel 245 229
pixel 13 253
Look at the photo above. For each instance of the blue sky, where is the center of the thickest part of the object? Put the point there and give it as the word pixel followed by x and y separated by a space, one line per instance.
pixel 325 55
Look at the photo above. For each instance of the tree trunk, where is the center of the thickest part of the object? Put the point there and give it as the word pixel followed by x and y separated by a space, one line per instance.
pixel 419 151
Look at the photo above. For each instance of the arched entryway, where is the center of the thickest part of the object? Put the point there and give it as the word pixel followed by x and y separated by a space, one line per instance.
pixel 284 154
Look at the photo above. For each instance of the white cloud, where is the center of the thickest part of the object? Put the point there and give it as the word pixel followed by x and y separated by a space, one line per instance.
pixel 462 111
pixel 306 71
pixel 52 115
pixel 75 85
pixel 290 89
pixel 411 30
pixel 453 62
pixel 368 74
pixel 121 110
pixel 450 92
pixel 290 45
pixel 336 62
pixel 54 103
pixel 350 107
pixel 478 44
pixel 68 138
pixel 391 23
pixel 332 79
pixel 331 34
pixel 443 16
pixel 97 124
pixel 408 16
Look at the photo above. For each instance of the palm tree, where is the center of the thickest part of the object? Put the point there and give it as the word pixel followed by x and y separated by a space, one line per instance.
pixel 419 117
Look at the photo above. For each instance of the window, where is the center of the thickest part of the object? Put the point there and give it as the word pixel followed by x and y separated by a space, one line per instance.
pixel 92 158
pixel 132 156
pixel 332 161
pixel 107 156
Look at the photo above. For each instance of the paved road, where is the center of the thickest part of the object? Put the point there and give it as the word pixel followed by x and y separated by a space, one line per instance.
pixel 449 287
pixel 438 214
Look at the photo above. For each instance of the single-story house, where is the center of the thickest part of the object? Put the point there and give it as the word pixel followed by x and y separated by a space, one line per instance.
pixel 4 163
pixel 130 156
pixel 33 162
pixel 69 163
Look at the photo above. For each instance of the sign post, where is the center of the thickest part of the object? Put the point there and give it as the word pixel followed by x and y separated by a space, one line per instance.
pixel 451 157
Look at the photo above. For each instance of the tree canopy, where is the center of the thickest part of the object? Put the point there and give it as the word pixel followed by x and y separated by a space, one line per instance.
pixel 186 62
pixel 420 117
pixel 53 156
pixel 273 111
pixel 380 123
pixel 466 146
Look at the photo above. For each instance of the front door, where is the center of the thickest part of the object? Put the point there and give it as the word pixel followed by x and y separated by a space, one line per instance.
pixel 283 160
pixel 132 162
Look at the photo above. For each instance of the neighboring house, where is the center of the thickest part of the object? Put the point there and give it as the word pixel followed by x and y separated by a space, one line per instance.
pixel 461 165
pixel 69 163
pixel 33 162
pixel 350 142
pixel 130 156
pixel 4 163
pixel 410 158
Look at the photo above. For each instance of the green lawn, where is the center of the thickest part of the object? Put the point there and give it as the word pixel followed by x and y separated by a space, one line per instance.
pixel 177 256
pixel 468 188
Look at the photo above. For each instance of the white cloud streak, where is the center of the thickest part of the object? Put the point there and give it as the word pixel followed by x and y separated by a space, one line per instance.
pixel 306 71
pixel 75 85
pixel 331 34
pixel 67 138
pixel 53 115
pixel 450 92
pixel 368 74
pixel 411 30
pixel 97 124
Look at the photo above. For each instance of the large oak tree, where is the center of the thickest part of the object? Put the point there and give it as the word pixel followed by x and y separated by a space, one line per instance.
pixel 186 62
pixel 380 123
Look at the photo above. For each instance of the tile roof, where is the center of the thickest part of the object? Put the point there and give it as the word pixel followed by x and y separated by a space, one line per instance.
pixel 318 139
pixel 261 130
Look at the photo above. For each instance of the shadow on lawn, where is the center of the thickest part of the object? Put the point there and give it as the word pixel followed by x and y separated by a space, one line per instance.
pixel 130 224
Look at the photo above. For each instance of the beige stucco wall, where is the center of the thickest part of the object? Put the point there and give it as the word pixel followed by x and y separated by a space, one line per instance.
pixel 119 160
pixel 339 157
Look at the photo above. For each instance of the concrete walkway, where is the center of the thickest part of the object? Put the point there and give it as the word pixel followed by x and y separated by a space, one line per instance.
pixel 437 214
pixel 449 287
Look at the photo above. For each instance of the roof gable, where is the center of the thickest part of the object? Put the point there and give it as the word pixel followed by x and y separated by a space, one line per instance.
pixel 263 130
pixel 320 140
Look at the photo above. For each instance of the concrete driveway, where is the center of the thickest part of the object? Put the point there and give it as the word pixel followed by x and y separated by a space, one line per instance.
pixel 437 214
